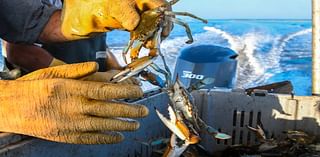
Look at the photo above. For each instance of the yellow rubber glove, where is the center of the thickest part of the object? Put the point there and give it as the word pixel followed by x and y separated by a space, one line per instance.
pixel 84 18
pixel 49 104
pixel 97 76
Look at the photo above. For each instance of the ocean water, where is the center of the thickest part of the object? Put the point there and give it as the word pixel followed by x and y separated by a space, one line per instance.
pixel 269 50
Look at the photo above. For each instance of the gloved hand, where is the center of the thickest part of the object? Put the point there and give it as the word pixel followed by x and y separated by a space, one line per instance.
pixel 50 104
pixel 84 18
pixel 97 76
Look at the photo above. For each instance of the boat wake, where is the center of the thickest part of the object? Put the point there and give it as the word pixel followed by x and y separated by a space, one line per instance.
pixel 274 56
pixel 249 67
pixel 256 67
pixel 255 64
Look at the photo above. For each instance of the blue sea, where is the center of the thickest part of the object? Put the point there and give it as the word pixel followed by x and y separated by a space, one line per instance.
pixel 269 50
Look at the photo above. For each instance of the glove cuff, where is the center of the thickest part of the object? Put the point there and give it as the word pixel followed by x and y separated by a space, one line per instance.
pixel 56 62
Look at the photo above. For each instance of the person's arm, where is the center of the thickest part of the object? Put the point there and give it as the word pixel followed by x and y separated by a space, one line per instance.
pixel 33 20
pixel 52 31
pixel 32 57
pixel 24 21
pixel 28 57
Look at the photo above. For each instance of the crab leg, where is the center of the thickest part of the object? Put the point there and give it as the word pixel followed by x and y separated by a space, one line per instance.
pixel 173 149
pixel 134 46
pixel 153 78
pixel 173 2
pixel 212 131
pixel 172 13
pixel 258 131
pixel 178 127
pixel 171 124
pixel 156 40
pixel 186 26
pixel 134 51
pixel 133 68
pixel 167 70
pixel 125 51
pixel 201 83
pixel 165 73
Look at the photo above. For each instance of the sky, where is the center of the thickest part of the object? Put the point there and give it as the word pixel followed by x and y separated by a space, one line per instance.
pixel 247 9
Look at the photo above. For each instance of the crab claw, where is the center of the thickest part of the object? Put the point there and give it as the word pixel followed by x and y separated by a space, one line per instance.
pixel 217 134
pixel 133 68
pixel 178 127
pixel 222 136
pixel 153 78
pixel 258 131
pixel 175 149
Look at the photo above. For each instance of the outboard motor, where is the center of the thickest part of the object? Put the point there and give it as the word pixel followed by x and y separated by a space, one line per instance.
pixel 198 62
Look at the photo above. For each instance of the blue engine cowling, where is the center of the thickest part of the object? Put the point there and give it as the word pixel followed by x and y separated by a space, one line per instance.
pixel 198 62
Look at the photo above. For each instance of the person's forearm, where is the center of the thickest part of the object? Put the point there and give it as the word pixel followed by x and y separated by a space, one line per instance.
pixel 52 31
pixel 28 57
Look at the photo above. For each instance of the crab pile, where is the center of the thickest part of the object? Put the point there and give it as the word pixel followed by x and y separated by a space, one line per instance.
pixel 292 144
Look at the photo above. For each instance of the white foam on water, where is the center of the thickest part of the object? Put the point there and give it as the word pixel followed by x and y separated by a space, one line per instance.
pixel 234 41
pixel 251 41
pixel 249 66
pixel 171 47
pixel 296 34
pixel 253 66
pixel 272 59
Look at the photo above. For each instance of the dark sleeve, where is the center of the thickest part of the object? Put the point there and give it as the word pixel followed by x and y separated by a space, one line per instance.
pixel 22 21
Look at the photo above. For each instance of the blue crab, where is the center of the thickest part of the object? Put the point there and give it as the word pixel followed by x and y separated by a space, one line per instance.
pixel 184 121
pixel 148 33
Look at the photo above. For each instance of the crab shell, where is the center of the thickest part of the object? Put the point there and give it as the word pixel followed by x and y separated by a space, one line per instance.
pixel 146 30
pixel 148 26
pixel 182 100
